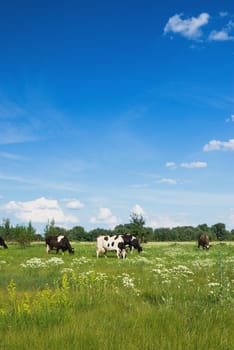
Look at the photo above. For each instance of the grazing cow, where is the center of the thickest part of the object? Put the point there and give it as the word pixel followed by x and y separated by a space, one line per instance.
pixel 116 243
pixel 3 243
pixel 57 243
pixel 203 241
pixel 132 242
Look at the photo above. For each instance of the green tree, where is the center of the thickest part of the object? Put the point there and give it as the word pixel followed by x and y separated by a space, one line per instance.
pixel 232 235
pixel 31 232
pixel 78 233
pixel 137 224
pixel 22 235
pixel 220 231
pixel 123 229
pixel 162 234
pixel 98 232
pixel 7 229
pixel 50 229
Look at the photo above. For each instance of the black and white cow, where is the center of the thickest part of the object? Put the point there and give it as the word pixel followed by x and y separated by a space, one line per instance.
pixel 111 243
pixel 203 241
pixel 57 243
pixel 3 243
pixel 131 242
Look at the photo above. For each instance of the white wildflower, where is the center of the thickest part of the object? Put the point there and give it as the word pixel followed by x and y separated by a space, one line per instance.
pixel 213 284
pixel 34 263
pixel 80 261
pixel 67 270
pixel 55 261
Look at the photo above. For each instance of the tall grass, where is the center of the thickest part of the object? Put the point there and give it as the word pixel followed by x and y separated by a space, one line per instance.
pixel 171 297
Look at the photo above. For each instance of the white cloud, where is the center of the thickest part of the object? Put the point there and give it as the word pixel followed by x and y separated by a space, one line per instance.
pixel 167 181
pixel 74 204
pixel 106 217
pixel 222 35
pixel 194 165
pixel 39 210
pixel 171 165
pixel 215 145
pixel 189 28
pixel 137 209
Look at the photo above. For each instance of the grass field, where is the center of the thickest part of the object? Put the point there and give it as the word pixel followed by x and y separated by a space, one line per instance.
pixel 172 296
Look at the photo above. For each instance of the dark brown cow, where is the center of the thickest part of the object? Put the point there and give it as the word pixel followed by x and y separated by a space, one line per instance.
pixel 203 241
pixel 57 243
pixel 3 243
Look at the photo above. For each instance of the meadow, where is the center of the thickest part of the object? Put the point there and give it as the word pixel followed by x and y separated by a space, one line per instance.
pixel 172 296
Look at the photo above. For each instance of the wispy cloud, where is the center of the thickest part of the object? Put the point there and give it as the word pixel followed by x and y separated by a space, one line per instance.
pixel 223 14
pixel 14 179
pixel 171 165
pixel 139 186
pixel 189 28
pixel 9 110
pixel 193 165
pixel 215 145
pixel 15 123
pixel 16 134
pixel 19 124
pixel 167 181
pixel 166 221
pixel 40 183
pixel 11 156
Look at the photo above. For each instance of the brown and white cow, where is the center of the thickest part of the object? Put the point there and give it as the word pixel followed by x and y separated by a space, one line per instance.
pixel 57 243
pixel 111 243
pixel 203 241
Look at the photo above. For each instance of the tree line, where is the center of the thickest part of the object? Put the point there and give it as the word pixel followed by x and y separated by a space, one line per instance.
pixel 24 235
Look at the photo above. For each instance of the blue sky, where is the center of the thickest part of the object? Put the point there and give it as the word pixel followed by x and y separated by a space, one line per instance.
pixel 114 107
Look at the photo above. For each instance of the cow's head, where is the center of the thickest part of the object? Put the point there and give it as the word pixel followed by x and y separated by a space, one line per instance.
pixel 135 243
pixel 72 250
